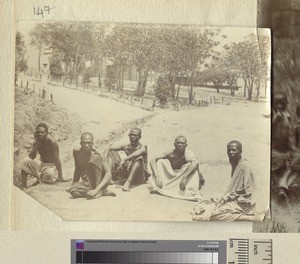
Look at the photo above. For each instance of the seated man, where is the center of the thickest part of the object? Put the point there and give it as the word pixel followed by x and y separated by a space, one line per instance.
pixel 176 170
pixel 289 180
pixel 92 168
pixel 281 145
pixel 133 168
pixel 236 203
pixel 50 170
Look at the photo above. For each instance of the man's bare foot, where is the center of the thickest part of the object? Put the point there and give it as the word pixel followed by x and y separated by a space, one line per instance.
pixel 108 193
pixel 126 186
pixel 182 184
pixel 102 193
pixel 35 183
pixel 153 191
pixel 23 186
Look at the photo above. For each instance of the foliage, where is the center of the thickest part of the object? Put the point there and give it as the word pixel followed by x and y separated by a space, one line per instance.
pixel 117 50
pixel 249 57
pixel 71 41
pixel 20 61
pixel 87 76
pixel 111 77
pixel 55 67
pixel 162 89
pixel 178 53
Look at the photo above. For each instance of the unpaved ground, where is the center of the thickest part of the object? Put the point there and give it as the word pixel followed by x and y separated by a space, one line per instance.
pixel 208 130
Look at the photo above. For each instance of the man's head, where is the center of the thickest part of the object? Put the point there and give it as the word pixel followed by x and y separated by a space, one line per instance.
pixel 87 141
pixel 180 143
pixel 234 151
pixel 41 133
pixel 280 102
pixel 135 135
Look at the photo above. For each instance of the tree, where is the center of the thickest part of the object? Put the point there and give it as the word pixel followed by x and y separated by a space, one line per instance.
pixel 145 41
pixel 200 46
pixel 72 41
pixel 264 42
pixel 182 50
pixel 39 39
pixel 118 50
pixel 162 89
pixel 20 61
pixel 246 57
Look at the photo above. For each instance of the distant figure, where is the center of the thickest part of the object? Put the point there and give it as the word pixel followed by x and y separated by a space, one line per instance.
pixel 176 173
pixel 92 169
pixel 236 203
pixel 133 168
pixel 50 169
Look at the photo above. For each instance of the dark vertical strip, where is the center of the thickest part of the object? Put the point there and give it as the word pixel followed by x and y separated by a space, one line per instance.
pixel 78 256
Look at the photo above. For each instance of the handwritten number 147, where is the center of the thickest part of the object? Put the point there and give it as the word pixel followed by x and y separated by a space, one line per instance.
pixel 41 11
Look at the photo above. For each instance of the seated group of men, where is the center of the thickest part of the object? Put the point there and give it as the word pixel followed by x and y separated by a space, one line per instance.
pixel 175 173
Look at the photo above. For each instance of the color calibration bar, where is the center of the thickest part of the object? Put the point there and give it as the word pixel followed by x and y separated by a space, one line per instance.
pixel 147 257
pixel 233 251
pixel 148 252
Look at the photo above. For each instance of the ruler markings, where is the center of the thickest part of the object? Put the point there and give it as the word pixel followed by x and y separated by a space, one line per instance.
pixel 248 251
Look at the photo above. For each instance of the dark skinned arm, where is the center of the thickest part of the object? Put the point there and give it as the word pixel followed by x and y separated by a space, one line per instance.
pixel 57 161
pixel 188 173
pixel 76 175
pixel 137 153
pixel 34 150
pixel 116 148
pixel 104 182
pixel 153 165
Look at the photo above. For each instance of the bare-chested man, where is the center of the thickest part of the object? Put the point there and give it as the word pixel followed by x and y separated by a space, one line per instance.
pixel 173 170
pixel 93 170
pixel 50 170
pixel 133 168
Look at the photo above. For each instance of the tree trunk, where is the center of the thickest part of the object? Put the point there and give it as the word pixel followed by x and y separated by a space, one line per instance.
pixel 245 87
pixel 145 81
pixel 99 74
pixel 257 89
pixel 266 83
pixel 119 78
pixel 142 82
pixel 39 59
pixel 250 89
pixel 191 93
pixel 172 83
pixel 232 90
pixel 122 79
pixel 178 88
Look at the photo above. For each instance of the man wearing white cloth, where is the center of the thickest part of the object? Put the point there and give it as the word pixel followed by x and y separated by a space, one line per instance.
pixel 176 173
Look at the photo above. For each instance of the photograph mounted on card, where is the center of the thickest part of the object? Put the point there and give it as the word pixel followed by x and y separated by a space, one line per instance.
pixel 143 122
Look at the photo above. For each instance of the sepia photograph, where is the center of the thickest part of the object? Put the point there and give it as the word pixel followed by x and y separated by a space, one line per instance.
pixel 283 17
pixel 143 122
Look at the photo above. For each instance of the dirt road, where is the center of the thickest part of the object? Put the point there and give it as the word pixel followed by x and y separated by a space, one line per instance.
pixel 207 129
